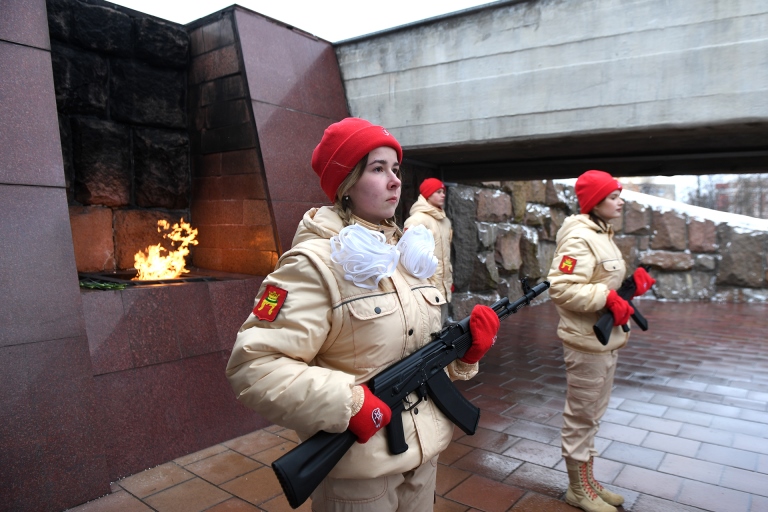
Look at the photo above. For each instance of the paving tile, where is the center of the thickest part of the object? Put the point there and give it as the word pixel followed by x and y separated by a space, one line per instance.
pixel 534 431
pixel 633 454
pixel 444 505
pixel 268 456
pixel 223 467
pixel 255 487
pixel 759 504
pixel 650 482
pixel 622 433
pixel 489 440
pixel 485 494
pixel 706 435
pixel 202 454
pixel 530 413
pixel 191 496
pixel 254 442
pixel 712 497
pixel 233 505
pixel 747 481
pixel 494 421
pixel 671 444
pixel 449 477
pixel 660 425
pixel 728 456
pixel 280 504
pixel 539 479
pixel 646 503
pixel 691 468
pixel 618 417
pixel 534 502
pixel 535 452
pixel 752 443
pixel 488 464
pixel 155 480
pixel 454 452
pixel 734 425
pixel 119 501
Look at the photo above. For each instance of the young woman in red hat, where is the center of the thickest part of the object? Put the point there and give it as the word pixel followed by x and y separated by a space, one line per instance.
pixel 428 210
pixel 586 271
pixel 350 298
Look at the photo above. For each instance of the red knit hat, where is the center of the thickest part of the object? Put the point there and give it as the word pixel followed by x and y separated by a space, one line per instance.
pixel 343 145
pixel 594 186
pixel 429 186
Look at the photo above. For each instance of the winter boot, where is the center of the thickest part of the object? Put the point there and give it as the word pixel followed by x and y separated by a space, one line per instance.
pixel 609 497
pixel 580 494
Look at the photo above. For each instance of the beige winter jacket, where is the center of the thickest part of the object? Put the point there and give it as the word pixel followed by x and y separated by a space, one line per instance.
pixel 329 335
pixel 596 266
pixel 434 219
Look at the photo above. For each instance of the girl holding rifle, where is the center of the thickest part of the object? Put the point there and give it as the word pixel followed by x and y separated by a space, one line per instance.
pixel 586 271
pixel 350 298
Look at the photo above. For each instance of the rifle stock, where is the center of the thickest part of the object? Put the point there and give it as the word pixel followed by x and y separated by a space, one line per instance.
pixel 302 469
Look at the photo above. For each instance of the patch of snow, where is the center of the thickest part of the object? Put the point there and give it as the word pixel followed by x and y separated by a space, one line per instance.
pixel 696 212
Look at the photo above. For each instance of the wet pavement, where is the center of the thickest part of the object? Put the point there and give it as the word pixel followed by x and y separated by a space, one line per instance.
pixel 686 429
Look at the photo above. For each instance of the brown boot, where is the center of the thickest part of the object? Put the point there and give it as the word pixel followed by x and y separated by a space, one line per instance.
pixel 580 494
pixel 609 497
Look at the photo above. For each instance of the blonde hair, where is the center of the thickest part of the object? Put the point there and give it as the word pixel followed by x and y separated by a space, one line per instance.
pixel 342 204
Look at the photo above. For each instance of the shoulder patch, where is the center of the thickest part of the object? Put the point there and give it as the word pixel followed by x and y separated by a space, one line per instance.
pixel 270 303
pixel 567 265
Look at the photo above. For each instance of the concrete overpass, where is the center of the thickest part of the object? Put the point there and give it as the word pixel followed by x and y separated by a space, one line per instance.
pixel 550 88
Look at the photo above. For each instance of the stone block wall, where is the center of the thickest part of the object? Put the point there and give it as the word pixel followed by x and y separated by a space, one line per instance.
pixel 505 230
pixel 120 83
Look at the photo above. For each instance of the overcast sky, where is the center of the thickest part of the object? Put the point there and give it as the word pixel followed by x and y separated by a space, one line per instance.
pixel 332 20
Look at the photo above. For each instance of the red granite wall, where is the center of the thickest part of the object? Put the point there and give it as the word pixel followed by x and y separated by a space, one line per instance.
pixel 51 456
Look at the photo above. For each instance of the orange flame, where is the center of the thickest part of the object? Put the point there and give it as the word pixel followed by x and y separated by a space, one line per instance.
pixel 153 265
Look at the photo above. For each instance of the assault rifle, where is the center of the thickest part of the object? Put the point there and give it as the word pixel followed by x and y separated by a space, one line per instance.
pixel 604 325
pixel 302 469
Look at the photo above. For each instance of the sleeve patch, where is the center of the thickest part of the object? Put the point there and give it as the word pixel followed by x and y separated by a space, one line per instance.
pixel 270 303
pixel 567 265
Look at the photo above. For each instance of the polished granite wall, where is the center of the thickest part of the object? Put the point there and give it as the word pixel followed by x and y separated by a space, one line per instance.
pixel 95 385
pixel 295 92
pixel 50 452
pixel 158 354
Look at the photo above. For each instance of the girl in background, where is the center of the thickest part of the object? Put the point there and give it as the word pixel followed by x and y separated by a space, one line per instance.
pixel 586 271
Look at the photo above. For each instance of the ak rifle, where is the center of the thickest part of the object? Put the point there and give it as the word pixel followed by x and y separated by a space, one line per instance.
pixel 302 469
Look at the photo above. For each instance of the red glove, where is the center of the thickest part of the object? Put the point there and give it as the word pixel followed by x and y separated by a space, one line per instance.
pixel 483 325
pixel 373 416
pixel 620 308
pixel 643 281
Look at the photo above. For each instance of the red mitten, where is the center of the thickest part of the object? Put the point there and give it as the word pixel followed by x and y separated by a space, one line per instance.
pixel 643 281
pixel 483 325
pixel 620 308
pixel 372 417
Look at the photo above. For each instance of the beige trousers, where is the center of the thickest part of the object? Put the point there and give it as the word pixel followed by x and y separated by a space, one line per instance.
pixel 590 379
pixel 413 491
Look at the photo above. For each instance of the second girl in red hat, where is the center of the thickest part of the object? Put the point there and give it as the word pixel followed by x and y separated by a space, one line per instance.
pixel 350 298
pixel 586 271
pixel 428 211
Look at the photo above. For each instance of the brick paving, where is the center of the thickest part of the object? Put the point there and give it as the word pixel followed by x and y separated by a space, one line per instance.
pixel 686 429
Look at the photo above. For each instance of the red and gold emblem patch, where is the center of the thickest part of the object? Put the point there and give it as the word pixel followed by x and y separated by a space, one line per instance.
pixel 270 303
pixel 567 265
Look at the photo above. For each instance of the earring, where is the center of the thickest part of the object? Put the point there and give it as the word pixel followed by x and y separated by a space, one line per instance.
pixel 345 199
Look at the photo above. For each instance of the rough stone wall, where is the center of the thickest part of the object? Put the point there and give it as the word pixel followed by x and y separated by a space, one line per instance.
pixel 121 86
pixel 505 230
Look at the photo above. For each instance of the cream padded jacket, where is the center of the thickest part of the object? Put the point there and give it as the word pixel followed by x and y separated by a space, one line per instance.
pixel 580 296
pixel 298 371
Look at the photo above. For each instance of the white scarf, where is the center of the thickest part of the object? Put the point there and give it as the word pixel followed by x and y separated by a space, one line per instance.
pixel 367 258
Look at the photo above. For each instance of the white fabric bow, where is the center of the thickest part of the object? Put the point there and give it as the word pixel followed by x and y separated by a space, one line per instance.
pixel 366 258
